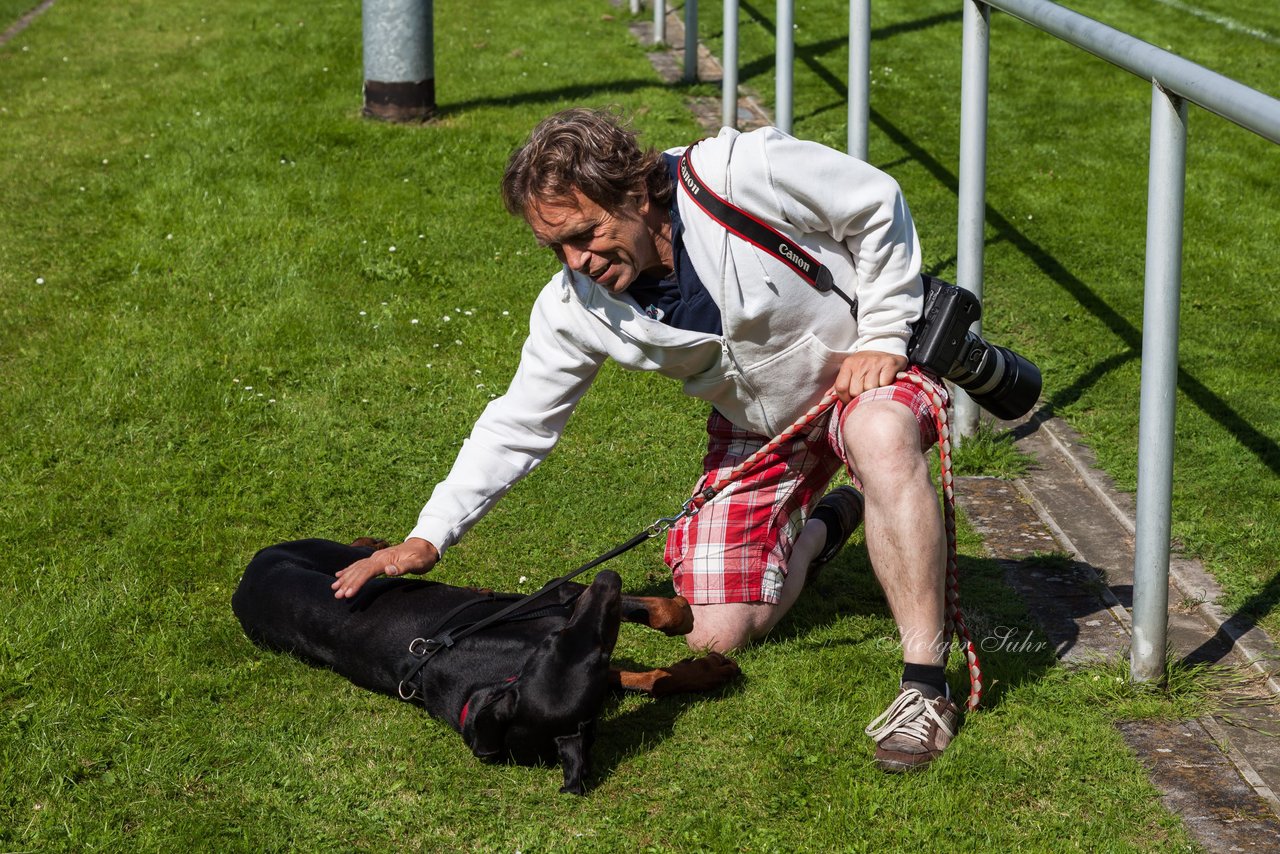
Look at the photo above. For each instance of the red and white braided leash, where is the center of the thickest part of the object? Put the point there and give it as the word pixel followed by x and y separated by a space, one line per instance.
pixel 955 619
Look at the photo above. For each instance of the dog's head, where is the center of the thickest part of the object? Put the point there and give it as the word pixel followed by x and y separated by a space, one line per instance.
pixel 548 712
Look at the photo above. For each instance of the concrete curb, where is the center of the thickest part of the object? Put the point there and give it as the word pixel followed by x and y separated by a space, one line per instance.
pixel 1187 575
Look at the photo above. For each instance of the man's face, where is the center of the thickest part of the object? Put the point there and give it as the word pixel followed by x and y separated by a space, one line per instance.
pixel 611 247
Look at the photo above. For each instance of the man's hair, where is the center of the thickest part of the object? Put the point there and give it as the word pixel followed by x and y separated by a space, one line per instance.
pixel 591 150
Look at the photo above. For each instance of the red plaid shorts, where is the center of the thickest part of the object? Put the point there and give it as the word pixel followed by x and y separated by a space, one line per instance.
pixel 736 548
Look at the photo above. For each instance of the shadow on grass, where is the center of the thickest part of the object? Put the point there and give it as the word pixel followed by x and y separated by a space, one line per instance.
pixel 1258 443
pixel 558 96
pixel 622 736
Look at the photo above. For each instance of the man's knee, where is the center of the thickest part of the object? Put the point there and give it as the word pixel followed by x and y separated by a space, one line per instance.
pixel 881 434
pixel 720 640
pixel 729 627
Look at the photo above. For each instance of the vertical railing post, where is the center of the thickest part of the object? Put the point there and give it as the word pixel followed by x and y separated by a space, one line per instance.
pixel 1162 288
pixel 659 21
pixel 859 76
pixel 970 231
pixel 399 62
pixel 729 81
pixel 690 41
pixel 785 38
pixel 635 7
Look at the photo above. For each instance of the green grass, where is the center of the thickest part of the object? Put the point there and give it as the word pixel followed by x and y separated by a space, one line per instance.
pixel 222 354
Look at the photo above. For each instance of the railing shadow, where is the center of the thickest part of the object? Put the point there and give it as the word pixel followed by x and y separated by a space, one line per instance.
pixel 1261 445
pixel 1244 619
pixel 558 95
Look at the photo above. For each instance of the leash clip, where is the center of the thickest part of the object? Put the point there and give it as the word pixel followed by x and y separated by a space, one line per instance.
pixel 690 509
pixel 422 647
pixel 666 522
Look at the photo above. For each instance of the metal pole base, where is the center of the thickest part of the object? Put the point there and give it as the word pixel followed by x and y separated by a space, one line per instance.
pixel 400 102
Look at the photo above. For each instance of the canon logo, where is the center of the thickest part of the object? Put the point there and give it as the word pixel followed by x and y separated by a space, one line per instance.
pixel 787 252
pixel 692 185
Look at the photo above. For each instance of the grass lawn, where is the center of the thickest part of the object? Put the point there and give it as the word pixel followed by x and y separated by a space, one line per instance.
pixel 232 313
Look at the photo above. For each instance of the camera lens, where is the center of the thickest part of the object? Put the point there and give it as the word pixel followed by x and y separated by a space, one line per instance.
pixel 998 379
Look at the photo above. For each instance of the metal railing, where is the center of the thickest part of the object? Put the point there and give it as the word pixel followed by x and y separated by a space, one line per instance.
pixel 1174 82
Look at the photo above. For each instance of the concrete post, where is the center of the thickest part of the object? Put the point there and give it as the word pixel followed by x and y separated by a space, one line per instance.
pixel 659 21
pixel 690 41
pixel 399 63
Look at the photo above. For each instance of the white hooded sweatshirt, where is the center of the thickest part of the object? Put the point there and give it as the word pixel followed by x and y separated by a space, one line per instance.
pixel 782 344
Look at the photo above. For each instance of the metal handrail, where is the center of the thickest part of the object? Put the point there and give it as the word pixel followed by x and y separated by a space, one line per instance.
pixel 1175 82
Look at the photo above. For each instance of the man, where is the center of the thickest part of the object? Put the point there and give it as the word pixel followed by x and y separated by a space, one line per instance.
pixel 651 280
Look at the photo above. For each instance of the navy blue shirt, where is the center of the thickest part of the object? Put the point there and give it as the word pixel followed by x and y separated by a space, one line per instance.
pixel 679 300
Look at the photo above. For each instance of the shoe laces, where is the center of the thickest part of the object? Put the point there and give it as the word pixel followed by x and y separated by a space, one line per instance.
pixel 909 715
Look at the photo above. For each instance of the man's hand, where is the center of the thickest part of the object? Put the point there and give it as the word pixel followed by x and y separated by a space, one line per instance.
pixel 413 555
pixel 865 370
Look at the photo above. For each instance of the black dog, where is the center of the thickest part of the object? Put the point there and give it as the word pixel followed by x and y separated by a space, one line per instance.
pixel 528 689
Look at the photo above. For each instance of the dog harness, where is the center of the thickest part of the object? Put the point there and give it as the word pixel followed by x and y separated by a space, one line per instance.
pixel 443 635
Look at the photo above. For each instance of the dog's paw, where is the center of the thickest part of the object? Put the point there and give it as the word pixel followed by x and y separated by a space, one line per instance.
pixel 680 617
pixel 691 675
pixel 671 616
pixel 370 543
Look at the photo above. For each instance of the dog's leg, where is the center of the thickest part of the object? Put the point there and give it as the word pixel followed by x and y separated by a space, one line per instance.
pixel 575 758
pixel 370 543
pixel 669 616
pixel 705 673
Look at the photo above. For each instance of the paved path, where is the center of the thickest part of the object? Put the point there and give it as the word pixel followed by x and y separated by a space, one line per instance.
pixel 24 22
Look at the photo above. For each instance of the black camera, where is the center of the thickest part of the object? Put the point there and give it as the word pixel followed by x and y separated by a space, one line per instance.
pixel 998 379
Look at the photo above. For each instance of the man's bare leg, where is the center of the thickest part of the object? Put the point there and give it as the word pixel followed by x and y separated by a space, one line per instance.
pixel 905 537
pixel 731 626
pixel 907 546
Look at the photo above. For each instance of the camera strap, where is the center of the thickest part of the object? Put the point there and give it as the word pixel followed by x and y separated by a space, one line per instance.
pixel 760 235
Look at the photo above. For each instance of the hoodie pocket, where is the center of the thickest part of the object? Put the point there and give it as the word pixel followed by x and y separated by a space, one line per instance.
pixel 790 382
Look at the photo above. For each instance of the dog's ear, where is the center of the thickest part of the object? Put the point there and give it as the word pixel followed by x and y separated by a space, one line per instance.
pixel 488 721
pixel 575 751
pixel 598 610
